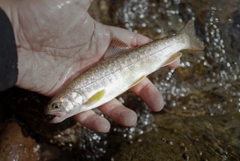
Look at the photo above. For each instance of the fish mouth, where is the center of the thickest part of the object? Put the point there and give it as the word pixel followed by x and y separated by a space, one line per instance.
pixel 50 117
pixel 56 117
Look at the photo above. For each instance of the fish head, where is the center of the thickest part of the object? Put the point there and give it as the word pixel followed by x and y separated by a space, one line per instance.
pixel 64 105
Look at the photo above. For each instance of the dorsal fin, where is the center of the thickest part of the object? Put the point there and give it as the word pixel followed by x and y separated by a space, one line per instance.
pixel 116 47
pixel 160 36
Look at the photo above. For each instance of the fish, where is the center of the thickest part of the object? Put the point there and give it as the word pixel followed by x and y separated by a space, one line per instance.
pixel 119 72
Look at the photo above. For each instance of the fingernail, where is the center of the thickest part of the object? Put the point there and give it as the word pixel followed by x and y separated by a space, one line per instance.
pixel 129 118
pixel 104 127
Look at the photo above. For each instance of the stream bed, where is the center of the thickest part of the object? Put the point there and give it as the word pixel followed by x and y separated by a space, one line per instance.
pixel 201 117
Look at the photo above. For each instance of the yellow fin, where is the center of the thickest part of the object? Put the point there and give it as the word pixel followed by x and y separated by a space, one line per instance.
pixel 137 81
pixel 96 97
pixel 172 59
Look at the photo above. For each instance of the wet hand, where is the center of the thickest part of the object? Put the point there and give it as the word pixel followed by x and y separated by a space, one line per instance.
pixel 58 40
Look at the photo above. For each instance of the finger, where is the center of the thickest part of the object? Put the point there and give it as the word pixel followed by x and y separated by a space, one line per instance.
pixel 150 94
pixel 83 4
pixel 93 121
pixel 119 113
pixel 130 38
pixel 174 64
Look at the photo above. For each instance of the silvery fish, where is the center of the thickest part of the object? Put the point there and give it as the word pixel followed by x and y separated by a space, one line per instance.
pixel 115 75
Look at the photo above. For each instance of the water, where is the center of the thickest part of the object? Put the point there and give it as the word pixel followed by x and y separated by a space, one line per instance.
pixel 202 95
pixel 201 117
pixel 212 74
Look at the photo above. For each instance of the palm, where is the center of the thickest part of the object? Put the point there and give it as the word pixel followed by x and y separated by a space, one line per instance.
pixel 60 43
pixel 57 40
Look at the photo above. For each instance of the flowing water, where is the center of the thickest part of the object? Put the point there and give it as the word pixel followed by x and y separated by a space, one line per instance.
pixel 201 118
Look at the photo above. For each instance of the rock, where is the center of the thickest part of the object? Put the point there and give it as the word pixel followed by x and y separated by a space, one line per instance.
pixel 15 146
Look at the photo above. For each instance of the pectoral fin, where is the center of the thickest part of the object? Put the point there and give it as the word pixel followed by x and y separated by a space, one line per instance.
pixel 96 97
pixel 172 59
pixel 137 81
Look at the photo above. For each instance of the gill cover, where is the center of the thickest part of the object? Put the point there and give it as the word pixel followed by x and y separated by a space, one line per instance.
pixel 75 96
pixel 69 99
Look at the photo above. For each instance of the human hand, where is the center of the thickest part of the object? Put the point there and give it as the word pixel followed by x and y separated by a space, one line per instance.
pixel 57 40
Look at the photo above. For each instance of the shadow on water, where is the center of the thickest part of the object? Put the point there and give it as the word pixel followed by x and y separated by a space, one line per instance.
pixel 201 117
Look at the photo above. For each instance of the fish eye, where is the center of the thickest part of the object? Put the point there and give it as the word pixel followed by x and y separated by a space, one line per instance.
pixel 56 106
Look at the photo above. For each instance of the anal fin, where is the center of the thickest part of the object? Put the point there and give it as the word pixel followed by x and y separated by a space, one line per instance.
pixel 172 59
pixel 137 81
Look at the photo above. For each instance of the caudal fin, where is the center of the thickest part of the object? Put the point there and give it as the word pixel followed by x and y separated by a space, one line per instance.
pixel 194 42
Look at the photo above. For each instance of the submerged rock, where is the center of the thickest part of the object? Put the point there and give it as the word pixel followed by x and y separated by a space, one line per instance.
pixel 192 138
pixel 14 146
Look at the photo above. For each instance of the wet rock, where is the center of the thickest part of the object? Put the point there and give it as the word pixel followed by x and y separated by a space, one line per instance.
pixel 234 31
pixel 185 139
pixel 28 107
pixel 14 146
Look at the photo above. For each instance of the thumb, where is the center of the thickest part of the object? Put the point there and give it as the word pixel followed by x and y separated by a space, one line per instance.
pixel 130 38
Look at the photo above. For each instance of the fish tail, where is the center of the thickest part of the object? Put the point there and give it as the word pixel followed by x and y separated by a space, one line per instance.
pixel 194 42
